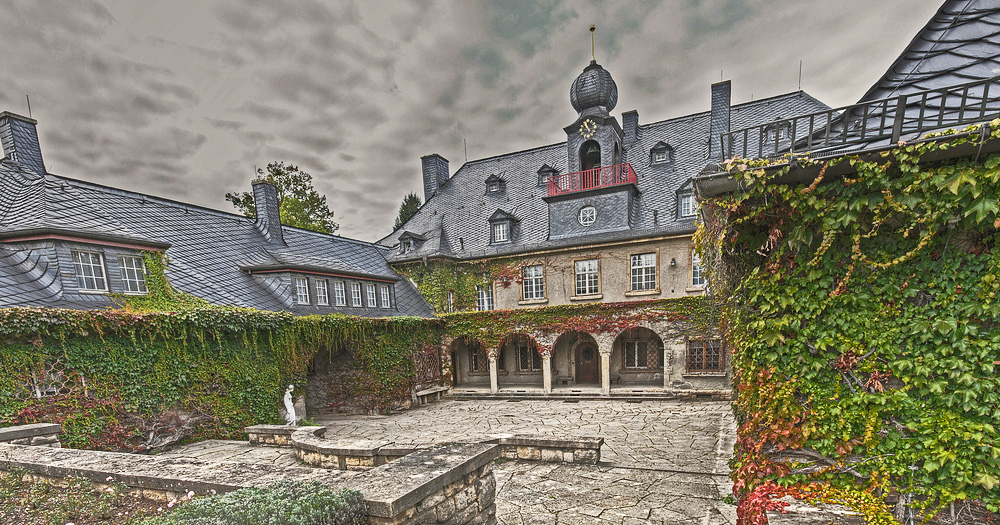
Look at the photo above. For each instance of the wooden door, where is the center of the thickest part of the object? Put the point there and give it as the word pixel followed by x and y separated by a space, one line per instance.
pixel 587 364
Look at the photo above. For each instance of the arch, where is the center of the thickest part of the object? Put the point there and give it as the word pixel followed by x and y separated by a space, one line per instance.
pixel 470 362
pixel 519 361
pixel 569 365
pixel 590 155
pixel 637 357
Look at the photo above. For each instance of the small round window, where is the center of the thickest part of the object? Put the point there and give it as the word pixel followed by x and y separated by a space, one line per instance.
pixel 587 215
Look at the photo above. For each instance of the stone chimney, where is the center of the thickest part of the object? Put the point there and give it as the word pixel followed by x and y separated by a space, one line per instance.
pixel 435 170
pixel 630 125
pixel 265 199
pixel 20 141
pixel 721 96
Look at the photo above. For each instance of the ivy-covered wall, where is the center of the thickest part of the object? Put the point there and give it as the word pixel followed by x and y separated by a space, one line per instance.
pixel 863 317
pixel 128 380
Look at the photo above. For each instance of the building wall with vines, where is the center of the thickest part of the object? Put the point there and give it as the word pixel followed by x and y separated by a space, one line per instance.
pixel 862 315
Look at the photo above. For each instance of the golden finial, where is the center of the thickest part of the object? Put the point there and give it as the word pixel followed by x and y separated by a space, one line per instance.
pixel 592 29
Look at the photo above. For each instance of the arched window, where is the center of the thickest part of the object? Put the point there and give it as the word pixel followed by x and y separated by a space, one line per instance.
pixel 590 155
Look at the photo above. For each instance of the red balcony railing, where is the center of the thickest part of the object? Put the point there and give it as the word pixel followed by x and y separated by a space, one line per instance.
pixel 590 179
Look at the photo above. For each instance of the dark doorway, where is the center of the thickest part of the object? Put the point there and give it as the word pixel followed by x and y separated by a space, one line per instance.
pixel 586 364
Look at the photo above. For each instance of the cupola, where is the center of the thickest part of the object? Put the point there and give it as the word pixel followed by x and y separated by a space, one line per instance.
pixel 594 91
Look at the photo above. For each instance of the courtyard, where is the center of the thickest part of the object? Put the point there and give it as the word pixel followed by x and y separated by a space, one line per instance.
pixel 662 461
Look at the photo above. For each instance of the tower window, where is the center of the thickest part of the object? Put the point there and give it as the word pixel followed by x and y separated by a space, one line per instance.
pixel 587 215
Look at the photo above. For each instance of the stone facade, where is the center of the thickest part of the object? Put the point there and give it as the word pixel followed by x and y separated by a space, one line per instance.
pixel 36 435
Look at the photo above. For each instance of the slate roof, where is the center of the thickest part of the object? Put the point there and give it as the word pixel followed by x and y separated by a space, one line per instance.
pixel 455 224
pixel 209 250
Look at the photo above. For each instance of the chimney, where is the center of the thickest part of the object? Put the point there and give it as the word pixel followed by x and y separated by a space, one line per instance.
pixel 20 141
pixel 721 95
pixel 435 170
pixel 265 199
pixel 630 125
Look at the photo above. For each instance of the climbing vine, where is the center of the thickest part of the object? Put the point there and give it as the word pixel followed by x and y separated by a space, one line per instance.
pixel 862 315
pixel 451 287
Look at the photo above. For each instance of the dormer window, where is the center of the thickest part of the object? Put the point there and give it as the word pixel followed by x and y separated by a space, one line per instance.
pixel 409 242
pixel 687 207
pixel 406 246
pixel 544 173
pixel 501 227
pixel 494 184
pixel 89 268
pixel 662 153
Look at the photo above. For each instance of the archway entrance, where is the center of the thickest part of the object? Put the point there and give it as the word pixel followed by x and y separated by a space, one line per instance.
pixel 588 364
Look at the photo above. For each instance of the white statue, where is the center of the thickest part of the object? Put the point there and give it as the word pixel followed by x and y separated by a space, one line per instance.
pixel 290 418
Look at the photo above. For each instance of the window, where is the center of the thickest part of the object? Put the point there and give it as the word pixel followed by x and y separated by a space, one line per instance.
pixel 355 294
pixel 644 271
pixel 339 294
pixel 133 274
pixel 478 362
pixel 587 215
pixel 587 281
pixel 90 271
pixel 635 354
pixel 528 358
pixel 662 153
pixel 533 284
pixel 492 187
pixel 385 296
pixel 705 357
pixel 370 288
pixel 501 232
pixel 697 272
pixel 322 293
pixel 301 290
pixel 484 298
pixel 688 206
pixel 406 246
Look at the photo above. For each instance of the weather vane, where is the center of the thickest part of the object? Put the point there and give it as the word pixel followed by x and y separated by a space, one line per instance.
pixel 592 29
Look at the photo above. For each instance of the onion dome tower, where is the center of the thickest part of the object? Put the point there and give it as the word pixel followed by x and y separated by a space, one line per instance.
pixel 594 92
pixel 594 140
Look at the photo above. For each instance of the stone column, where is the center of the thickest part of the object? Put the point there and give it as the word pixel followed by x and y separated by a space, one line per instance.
pixel 606 373
pixel 547 372
pixel 494 375
pixel 666 366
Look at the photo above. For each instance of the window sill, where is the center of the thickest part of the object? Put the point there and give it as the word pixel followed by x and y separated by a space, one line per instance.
pixel 532 301
pixel 479 374
pixel 704 374
pixel 639 370
pixel 640 293
pixel 594 297
pixel 693 289
pixel 94 292
pixel 527 372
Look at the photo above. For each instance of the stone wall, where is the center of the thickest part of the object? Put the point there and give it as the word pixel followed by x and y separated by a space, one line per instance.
pixel 37 435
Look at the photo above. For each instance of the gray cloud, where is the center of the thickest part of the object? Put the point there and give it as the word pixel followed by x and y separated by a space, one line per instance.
pixel 182 99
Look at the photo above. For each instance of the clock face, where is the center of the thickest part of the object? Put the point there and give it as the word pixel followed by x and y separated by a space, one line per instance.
pixel 588 128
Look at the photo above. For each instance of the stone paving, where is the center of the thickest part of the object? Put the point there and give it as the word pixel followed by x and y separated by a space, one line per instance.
pixel 662 461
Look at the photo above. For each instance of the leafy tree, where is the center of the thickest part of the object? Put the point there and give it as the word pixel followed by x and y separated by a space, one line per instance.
pixel 410 205
pixel 301 205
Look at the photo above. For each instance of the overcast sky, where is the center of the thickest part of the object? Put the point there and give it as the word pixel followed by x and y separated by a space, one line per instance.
pixel 182 98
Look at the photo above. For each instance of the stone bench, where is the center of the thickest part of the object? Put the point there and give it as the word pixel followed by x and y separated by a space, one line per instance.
pixel 430 394
pixel 564 380
pixel 272 435
pixel 36 435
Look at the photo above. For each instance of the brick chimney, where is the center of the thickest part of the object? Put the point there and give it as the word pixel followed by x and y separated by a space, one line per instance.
pixel 265 198
pixel 20 141
pixel 721 96
pixel 435 171
pixel 630 125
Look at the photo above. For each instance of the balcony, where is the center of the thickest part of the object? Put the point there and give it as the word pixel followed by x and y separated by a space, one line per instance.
pixel 591 179
pixel 869 124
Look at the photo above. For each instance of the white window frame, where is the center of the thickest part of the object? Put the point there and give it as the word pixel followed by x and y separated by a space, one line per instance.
pixel 484 298
pixel 451 301
pixel 385 297
pixel 587 277
pixel 500 232
pixel 322 292
pixel 643 271
pixel 587 215
pixel 133 272
pixel 533 282
pixel 97 275
pixel 339 293
pixel 301 290
pixel 372 297
pixel 698 279
pixel 356 295
pixel 493 187
pixel 660 156
pixel 687 205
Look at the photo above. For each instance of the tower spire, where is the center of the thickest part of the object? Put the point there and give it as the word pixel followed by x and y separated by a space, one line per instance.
pixel 593 57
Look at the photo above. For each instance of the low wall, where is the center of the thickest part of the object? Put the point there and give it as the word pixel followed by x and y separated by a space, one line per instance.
pixel 36 435
pixel 580 450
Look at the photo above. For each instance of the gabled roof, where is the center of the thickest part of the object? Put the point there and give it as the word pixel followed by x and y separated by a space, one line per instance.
pixel 961 43
pixel 501 215
pixel 212 254
pixel 460 211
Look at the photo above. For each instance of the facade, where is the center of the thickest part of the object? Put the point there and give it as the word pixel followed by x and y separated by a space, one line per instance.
pixel 67 243
pixel 605 217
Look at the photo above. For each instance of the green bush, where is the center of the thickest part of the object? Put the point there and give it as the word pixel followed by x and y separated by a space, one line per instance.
pixel 281 503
